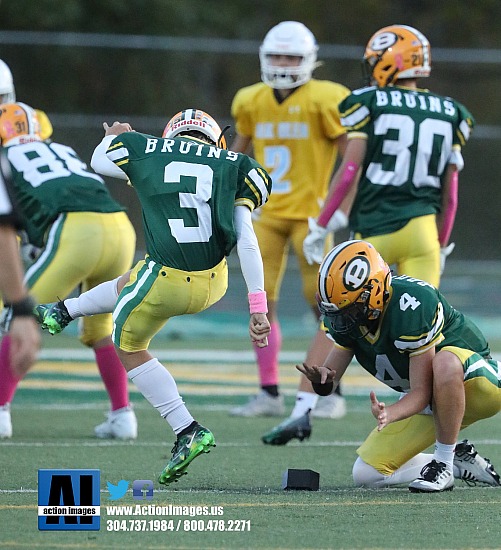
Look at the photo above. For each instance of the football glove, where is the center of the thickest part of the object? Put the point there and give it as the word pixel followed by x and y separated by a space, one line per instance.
pixel 444 252
pixel 314 242
pixel 5 320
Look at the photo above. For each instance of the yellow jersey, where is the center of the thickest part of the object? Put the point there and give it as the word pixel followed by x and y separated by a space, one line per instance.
pixel 293 140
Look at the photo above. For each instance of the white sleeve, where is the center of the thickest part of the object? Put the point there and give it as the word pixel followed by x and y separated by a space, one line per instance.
pixel 248 251
pixel 457 158
pixel 101 164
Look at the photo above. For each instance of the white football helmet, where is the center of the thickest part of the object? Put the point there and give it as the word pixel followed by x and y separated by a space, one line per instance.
pixel 288 38
pixel 195 120
pixel 7 91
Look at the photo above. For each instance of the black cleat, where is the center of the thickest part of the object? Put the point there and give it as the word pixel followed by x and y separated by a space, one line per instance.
pixel 291 428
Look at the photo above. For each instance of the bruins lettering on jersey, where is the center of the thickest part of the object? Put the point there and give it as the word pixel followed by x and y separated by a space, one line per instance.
pixel 183 180
pixel 411 137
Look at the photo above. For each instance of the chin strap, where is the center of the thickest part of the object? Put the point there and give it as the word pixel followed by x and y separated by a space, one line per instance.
pixel 221 140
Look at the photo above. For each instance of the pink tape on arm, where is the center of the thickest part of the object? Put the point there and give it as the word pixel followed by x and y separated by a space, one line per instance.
pixel 347 177
pixel 257 302
pixel 450 213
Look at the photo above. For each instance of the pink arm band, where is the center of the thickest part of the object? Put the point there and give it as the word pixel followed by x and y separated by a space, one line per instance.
pixel 450 212
pixel 257 302
pixel 347 177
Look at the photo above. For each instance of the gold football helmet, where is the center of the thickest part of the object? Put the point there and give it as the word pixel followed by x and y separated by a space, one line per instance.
pixel 191 120
pixel 353 286
pixel 18 124
pixel 396 52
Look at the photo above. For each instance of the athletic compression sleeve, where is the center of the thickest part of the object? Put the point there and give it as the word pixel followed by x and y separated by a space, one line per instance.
pixel 248 251
pixel 102 164
pixel 349 174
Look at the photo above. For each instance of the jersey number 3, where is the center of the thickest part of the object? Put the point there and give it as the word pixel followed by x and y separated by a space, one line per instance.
pixel 202 232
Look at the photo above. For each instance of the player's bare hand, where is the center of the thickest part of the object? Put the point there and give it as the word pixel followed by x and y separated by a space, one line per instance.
pixel 317 375
pixel 259 329
pixel 379 411
pixel 117 128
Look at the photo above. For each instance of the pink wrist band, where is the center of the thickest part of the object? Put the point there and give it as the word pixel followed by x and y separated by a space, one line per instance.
pixel 347 177
pixel 257 302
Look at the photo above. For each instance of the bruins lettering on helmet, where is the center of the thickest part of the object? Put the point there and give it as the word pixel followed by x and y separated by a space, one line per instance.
pixel 356 273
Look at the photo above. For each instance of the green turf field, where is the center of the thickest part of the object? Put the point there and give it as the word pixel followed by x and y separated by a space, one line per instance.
pixel 59 403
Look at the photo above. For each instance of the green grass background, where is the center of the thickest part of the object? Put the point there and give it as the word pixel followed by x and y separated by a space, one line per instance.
pixel 53 429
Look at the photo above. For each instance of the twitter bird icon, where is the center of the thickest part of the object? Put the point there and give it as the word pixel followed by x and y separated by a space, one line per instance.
pixel 117 491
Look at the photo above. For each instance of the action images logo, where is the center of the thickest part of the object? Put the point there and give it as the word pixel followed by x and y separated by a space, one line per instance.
pixel 69 500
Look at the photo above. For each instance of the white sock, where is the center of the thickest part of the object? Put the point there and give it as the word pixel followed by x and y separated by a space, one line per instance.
pixel 158 386
pixel 444 453
pixel 365 475
pixel 100 299
pixel 304 401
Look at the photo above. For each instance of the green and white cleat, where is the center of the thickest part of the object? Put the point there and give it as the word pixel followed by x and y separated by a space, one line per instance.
pixel 290 428
pixel 53 317
pixel 185 450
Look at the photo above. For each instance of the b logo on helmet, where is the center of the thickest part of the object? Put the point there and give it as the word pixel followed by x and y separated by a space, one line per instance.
pixel 356 273
pixel 383 41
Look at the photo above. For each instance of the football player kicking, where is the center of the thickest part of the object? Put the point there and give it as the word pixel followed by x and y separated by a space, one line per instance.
pixel 405 333
pixel 196 199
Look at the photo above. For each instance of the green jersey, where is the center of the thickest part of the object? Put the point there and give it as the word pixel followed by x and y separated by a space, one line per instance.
pixel 415 318
pixel 412 135
pixel 188 190
pixel 49 179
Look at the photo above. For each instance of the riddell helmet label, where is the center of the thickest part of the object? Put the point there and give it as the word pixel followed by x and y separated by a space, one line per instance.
pixel 191 122
pixel 356 273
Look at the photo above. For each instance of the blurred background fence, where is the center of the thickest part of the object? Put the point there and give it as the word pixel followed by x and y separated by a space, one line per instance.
pixel 88 61
pixel 116 77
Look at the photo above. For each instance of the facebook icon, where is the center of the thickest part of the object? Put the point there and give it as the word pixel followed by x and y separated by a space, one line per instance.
pixel 142 489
